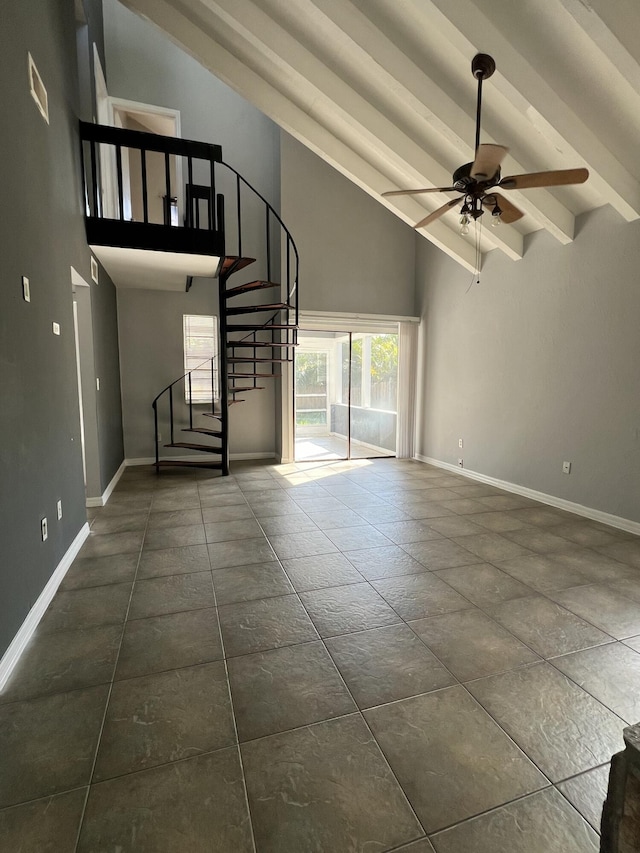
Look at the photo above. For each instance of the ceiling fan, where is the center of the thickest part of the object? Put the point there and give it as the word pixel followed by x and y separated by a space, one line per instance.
pixel 478 181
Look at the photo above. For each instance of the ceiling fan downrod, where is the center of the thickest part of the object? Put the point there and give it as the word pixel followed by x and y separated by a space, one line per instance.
pixel 482 67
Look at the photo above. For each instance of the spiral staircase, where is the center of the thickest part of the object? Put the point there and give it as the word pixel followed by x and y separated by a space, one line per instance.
pixel 257 318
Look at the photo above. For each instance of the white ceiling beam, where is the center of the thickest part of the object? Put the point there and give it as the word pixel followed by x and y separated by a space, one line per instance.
pixel 357 45
pixel 610 46
pixel 525 87
pixel 344 113
pixel 189 33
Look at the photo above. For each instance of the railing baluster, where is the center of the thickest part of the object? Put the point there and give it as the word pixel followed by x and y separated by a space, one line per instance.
pixel 145 197
pixel 120 187
pixel 167 180
pixel 171 410
pixel 190 403
pixel 239 215
pixel 155 423
pixel 84 179
pixel 221 221
pixel 268 247
pixel 189 192
pixel 213 389
pixel 94 179
pixel 212 196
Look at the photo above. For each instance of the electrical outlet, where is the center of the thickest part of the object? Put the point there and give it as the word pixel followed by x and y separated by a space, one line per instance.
pixel 159 436
pixel 461 462
pixel 59 510
pixel 26 290
pixel 566 467
pixel 460 442
pixel 56 328
pixel 44 529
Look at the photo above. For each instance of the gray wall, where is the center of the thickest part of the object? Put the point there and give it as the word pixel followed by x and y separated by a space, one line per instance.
pixel 144 65
pixel 539 364
pixel 355 256
pixel 151 355
pixel 42 235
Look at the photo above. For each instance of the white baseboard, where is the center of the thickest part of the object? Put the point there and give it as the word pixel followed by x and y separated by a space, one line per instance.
pixel 102 499
pixel 587 512
pixel 204 457
pixel 25 632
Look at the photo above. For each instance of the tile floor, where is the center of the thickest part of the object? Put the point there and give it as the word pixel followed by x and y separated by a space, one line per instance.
pixel 365 656
pixel 331 447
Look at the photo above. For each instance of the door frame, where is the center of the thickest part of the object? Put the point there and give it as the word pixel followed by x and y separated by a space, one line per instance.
pixel 117 109
pixel 328 320
pixel 87 384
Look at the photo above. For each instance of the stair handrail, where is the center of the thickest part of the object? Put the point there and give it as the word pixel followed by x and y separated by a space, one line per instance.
pixel 270 210
pixel 184 376
pixel 197 367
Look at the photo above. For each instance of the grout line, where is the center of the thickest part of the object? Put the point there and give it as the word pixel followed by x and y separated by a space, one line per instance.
pixel 109 692
pixel 156 491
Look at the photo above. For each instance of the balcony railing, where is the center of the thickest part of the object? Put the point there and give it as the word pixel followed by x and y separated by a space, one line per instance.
pixel 148 191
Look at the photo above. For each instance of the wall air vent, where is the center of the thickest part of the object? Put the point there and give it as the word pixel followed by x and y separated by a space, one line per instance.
pixel 38 91
pixel 94 270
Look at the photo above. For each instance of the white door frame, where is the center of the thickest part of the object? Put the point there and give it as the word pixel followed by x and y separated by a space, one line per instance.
pixel 87 384
pixel 327 320
pixel 119 107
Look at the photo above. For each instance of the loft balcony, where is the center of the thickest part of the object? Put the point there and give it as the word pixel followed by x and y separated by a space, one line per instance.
pixel 155 217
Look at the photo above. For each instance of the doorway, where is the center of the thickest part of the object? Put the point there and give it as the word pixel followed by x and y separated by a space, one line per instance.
pixel 345 394
pixel 87 385
pixel 163 207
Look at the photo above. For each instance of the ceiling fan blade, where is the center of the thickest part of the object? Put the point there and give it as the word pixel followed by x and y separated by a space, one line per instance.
pixel 414 192
pixel 510 213
pixel 557 178
pixel 487 162
pixel 437 213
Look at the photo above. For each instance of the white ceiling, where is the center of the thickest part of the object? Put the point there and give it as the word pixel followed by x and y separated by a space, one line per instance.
pixel 148 270
pixel 382 90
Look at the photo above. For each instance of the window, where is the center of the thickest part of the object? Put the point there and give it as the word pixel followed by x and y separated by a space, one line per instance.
pixel 201 357
pixel 37 89
pixel 371 373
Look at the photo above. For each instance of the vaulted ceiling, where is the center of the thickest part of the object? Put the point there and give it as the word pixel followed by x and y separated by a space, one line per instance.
pixel 382 90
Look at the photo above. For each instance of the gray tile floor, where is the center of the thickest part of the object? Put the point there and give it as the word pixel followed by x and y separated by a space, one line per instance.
pixel 332 447
pixel 334 657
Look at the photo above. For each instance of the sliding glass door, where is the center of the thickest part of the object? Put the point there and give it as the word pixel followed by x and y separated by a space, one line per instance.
pixel 345 395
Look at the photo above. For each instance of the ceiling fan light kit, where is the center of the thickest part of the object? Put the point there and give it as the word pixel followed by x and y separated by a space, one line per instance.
pixel 478 181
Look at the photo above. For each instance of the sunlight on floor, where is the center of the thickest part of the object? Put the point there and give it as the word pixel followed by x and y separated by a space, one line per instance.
pixel 331 447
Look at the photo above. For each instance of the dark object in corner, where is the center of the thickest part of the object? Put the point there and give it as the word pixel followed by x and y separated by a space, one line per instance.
pixel 621 813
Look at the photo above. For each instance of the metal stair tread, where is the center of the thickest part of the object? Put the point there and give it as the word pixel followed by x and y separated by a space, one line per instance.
pixel 190 446
pixel 251 286
pixel 195 463
pixel 246 359
pixel 249 309
pixel 260 344
pixel 259 327
pixel 252 375
pixel 234 263
pixel 234 389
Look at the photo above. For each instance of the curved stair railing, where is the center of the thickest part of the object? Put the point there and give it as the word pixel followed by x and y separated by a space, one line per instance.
pixel 182 387
pixel 252 348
